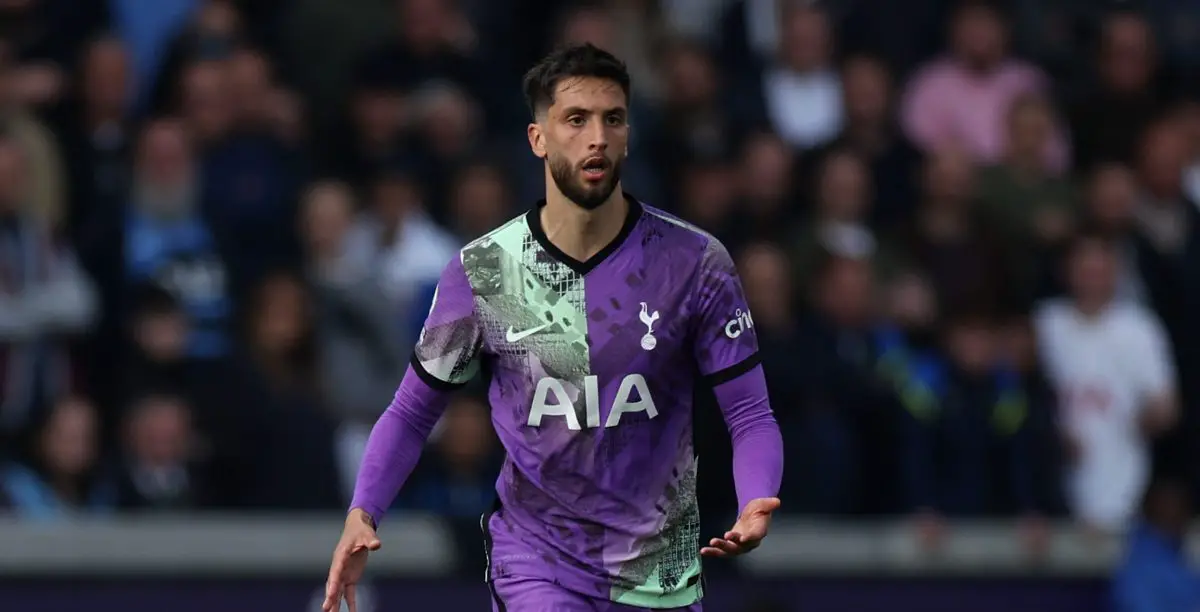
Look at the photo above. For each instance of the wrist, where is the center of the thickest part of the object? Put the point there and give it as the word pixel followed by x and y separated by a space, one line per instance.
pixel 358 515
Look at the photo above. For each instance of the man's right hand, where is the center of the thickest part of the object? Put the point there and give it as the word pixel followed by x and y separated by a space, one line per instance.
pixel 349 560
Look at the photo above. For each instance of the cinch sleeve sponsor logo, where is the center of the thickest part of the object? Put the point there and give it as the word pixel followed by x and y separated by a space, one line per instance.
pixel 739 324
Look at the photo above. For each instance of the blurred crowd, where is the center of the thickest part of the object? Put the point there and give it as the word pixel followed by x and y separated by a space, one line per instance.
pixel 968 231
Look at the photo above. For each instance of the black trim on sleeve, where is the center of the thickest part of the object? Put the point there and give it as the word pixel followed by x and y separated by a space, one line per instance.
pixel 723 376
pixel 430 379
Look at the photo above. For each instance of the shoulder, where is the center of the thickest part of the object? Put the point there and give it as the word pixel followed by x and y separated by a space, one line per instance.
pixel 1133 318
pixel 683 236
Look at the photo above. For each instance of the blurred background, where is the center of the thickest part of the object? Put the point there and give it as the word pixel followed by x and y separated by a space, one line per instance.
pixel 969 233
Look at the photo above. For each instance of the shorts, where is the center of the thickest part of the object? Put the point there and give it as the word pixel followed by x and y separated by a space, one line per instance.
pixel 514 594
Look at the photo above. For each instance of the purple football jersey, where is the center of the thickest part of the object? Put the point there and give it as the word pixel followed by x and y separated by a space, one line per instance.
pixel 593 366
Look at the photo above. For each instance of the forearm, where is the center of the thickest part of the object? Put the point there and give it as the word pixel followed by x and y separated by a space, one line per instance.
pixel 757 443
pixel 395 444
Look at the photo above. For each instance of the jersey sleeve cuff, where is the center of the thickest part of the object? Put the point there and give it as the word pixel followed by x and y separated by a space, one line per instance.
pixel 429 379
pixel 725 375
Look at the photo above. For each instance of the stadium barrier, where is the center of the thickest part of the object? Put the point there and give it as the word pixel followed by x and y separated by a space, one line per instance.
pixel 235 564
pixel 422 546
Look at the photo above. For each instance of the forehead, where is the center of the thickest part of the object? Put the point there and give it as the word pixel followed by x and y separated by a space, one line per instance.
pixel 588 93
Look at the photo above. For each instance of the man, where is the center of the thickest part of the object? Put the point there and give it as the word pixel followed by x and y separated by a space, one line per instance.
pixel 595 314
pixel 1111 365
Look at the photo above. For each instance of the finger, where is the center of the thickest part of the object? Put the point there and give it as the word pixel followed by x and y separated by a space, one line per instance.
pixel 715 553
pixel 725 545
pixel 733 536
pixel 333 597
pixel 350 602
pixel 374 544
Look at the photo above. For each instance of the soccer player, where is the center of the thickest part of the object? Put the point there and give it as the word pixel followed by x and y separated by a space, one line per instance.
pixel 595 315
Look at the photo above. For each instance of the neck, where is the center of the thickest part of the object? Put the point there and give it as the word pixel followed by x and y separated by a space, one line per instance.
pixel 1091 307
pixel 582 233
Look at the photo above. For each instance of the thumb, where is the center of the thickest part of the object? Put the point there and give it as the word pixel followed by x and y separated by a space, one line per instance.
pixel 373 544
pixel 764 505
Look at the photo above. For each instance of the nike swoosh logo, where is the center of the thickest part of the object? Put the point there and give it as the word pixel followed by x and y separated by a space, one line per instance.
pixel 513 336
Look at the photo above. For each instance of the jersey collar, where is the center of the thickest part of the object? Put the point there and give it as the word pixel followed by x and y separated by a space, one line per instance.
pixel 534 219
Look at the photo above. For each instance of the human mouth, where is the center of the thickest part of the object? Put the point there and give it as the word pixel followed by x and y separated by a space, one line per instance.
pixel 595 168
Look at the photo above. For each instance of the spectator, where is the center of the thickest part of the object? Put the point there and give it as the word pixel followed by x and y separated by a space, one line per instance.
pixel 960 101
pixel 1110 199
pixel 802 92
pixel 765 189
pixel 60 474
pixel 480 199
pixel 95 128
pixel 160 468
pixel 45 301
pixel 708 191
pixel 962 255
pixel 967 446
pixel 46 200
pixel 457 478
pixel 249 175
pixel 839 223
pixel 1154 575
pixel 406 249
pixel 280 394
pixel 871 132
pixel 355 331
pixel 167 241
pixel 1109 117
pixel 1025 199
pixel 214 32
pixel 1111 366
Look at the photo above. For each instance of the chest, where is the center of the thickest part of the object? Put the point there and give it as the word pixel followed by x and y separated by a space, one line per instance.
pixel 630 314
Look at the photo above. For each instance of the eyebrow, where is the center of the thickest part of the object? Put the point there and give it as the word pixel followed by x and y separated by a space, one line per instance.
pixel 579 110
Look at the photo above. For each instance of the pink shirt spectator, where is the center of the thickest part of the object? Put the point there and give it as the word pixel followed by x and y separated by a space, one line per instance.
pixel 946 105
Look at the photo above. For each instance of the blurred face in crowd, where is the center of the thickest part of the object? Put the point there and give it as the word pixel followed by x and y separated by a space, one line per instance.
pixel 480 200
pixel 1111 195
pixel 949 180
pixel 328 209
pixel 845 292
pixel 708 192
pixel 207 106
pixel 162 336
pixel 766 278
pixel 281 321
pixel 979 37
pixel 588 25
pixel 843 188
pixel 1164 156
pixel 393 198
pixel 971 344
pixel 106 75
pixel 449 120
pixel 766 172
pixel 69 441
pixel 1092 273
pixel 1127 56
pixel 250 86
pixel 218 19
pixel 805 39
pixel 1030 125
pixel 159 432
pixel 425 24
pixel 866 92
pixel 584 138
pixel 690 76
pixel 466 438
pixel 910 302
pixel 13 177
pixel 379 115
pixel 164 170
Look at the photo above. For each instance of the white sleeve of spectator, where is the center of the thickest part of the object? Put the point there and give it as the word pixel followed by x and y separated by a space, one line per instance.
pixel 1152 365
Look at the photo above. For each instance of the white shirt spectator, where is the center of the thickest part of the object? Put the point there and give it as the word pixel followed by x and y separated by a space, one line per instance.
pixel 1105 369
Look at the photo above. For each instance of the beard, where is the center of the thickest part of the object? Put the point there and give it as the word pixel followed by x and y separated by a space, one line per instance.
pixel 588 196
